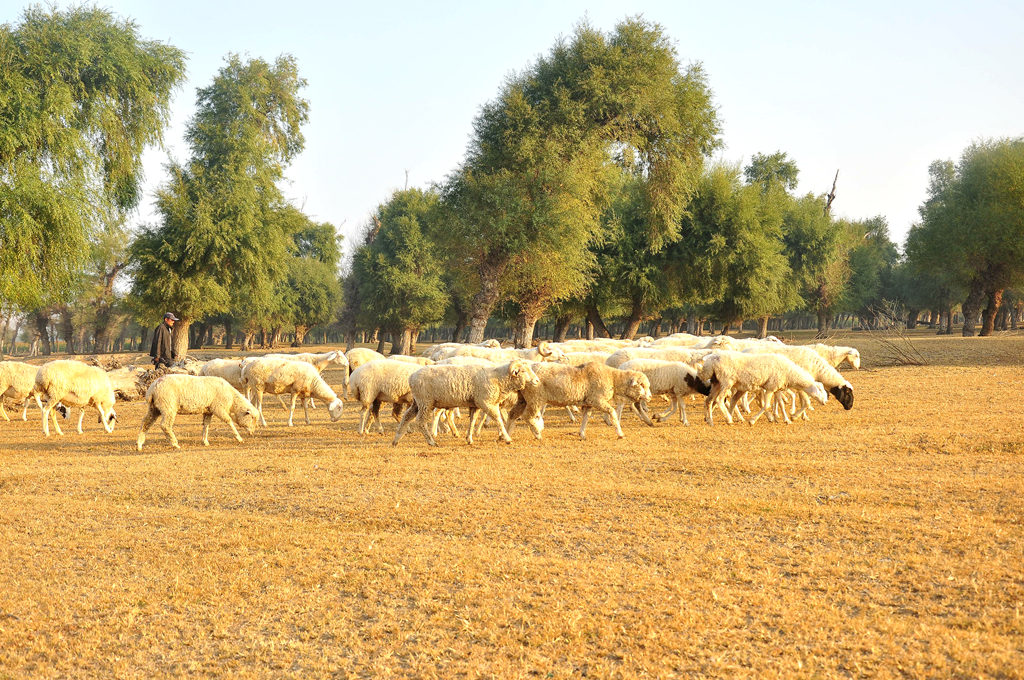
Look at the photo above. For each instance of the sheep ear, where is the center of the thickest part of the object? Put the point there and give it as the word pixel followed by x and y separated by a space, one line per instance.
pixel 543 349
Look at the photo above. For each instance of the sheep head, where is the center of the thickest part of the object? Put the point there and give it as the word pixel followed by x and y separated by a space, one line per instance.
pixel 335 408
pixel 638 387
pixel 522 375
pixel 844 395
pixel 817 391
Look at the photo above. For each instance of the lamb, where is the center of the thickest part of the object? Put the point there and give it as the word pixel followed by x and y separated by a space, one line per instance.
pixel 590 386
pixel 18 382
pixel 836 355
pixel 379 381
pixel 481 389
pixel 672 378
pixel 282 376
pixel 734 373
pixel 73 383
pixel 209 395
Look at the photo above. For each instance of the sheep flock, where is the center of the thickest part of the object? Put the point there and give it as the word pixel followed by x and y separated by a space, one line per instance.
pixel 732 380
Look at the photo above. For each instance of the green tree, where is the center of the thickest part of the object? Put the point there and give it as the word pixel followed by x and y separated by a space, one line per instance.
pixel 222 243
pixel 81 96
pixel 817 247
pixel 872 258
pixel 398 273
pixel 772 172
pixel 539 163
pixel 973 225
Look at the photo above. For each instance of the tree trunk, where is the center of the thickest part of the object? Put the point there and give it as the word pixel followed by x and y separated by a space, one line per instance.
pixel 402 342
pixel 594 318
pixel 381 339
pixel 691 323
pixel 762 328
pixel 228 334
pixel 726 327
pixel 522 331
pixel 633 322
pixel 589 325
pixel 483 302
pixel 42 321
pixel 823 323
pixel 1015 316
pixel 179 339
pixel 988 317
pixel 300 335
pixel 562 324
pixel 971 307
pixel 460 327
pixel 912 315
pixel 248 336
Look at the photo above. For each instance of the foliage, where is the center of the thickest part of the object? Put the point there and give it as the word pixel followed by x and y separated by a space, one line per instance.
pixel 81 95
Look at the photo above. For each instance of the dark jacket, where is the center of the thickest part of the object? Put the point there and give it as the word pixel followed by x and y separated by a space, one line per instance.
pixel 162 349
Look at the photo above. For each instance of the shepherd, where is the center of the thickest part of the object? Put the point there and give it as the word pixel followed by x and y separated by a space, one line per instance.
pixel 162 350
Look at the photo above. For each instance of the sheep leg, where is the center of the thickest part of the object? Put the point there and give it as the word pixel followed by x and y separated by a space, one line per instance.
pixel 765 399
pixel 584 417
pixel 259 405
pixel 207 417
pixel 305 408
pixel 641 410
pixel 147 422
pixel 3 411
pixel 435 418
pixel 422 417
pixel 364 415
pixel 665 414
pixel 572 416
pixel 407 417
pixel 81 417
pixel 609 411
pixel 225 415
pixel 291 411
pixel 495 413
pixel 39 403
pixel 167 425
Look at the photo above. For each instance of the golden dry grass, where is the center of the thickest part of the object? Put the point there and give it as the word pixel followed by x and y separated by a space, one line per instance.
pixel 885 541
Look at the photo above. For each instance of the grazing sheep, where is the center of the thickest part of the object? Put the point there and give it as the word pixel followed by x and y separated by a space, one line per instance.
pixel 208 395
pixel 73 383
pixel 283 376
pixel 836 355
pixel 380 381
pixel 732 374
pixel 590 386
pixel 673 378
pixel 321 361
pixel 18 382
pixel 481 389
pixel 813 363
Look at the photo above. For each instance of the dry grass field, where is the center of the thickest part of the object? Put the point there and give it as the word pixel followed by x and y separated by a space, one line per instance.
pixel 886 541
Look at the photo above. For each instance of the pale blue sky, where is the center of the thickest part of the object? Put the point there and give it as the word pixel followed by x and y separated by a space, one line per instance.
pixel 875 89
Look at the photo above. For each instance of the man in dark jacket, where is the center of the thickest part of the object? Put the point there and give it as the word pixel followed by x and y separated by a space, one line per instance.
pixel 162 349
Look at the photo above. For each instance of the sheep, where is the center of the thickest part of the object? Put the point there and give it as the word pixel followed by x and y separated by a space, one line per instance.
pixel 590 386
pixel 73 383
pixel 357 356
pixel 209 395
pixel 812 362
pixel 443 347
pixel 18 381
pixel 672 378
pixel 228 369
pixel 733 373
pixel 379 381
pixel 687 356
pixel 836 355
pixel 282 376
pixel 321 361
pixel 579 358
pixel 405 358
pixel 481 389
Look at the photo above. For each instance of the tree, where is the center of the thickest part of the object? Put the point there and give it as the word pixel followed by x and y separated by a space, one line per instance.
pixel 773 172
pixel 222 243
pixel 81 96
pixel 973 225
pixel 537 169
pixel 397 272
pixel 817 248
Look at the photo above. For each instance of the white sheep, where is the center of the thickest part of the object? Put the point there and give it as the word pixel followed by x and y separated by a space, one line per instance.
pixel 72 383
pixel 812 362
pixel 357 356
pixel 590 386
pixel 380 381
pixel 283 376
pixel 18 382
pixel 228 369
pixel 732 374
pixel 683 354
pixel 443 347
pixel 672 378
pixel 208 395
pixel 837 354
pixel 405 358
pixel 481 389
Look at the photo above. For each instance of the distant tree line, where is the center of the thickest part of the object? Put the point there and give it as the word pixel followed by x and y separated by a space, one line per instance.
pixel 586 201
